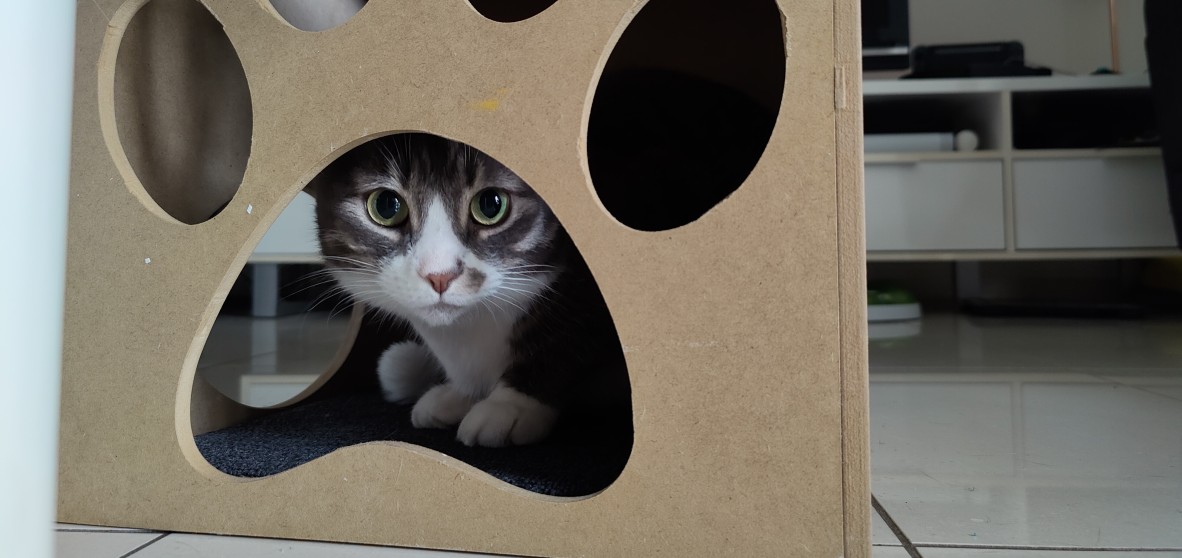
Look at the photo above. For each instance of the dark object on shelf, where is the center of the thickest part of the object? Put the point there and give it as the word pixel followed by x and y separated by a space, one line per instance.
pixel 886 35
pixel 971 60
pixel 1163 42
pixel 1084 119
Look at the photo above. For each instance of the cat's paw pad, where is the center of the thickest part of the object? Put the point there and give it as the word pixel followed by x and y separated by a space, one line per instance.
pixel 406 371
pixel 506 417
pixel 441 407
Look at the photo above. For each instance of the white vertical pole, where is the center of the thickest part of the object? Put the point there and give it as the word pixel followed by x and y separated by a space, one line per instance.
pixel 37 69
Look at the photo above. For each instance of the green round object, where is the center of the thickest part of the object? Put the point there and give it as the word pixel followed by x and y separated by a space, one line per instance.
pixel 888 294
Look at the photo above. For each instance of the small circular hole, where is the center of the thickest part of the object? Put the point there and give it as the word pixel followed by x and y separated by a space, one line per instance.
pixel 510 11
pixel 317 15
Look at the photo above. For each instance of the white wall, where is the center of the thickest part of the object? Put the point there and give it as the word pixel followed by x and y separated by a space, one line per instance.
pixel 35 102
pixel 1068 36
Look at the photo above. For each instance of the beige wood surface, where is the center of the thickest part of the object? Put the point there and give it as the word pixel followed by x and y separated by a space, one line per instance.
pixel 749 403
pixel 851 246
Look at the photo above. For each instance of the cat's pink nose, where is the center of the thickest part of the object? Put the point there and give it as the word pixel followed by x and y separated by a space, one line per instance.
pixel 441 281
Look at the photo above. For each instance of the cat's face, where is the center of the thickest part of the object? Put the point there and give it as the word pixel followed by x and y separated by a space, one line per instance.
pixel 433 230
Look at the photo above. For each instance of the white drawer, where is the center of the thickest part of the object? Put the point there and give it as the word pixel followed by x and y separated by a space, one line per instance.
pixel 1092 203
pixel 938 205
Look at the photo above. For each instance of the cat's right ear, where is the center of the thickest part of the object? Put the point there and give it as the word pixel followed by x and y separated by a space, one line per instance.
pixel 333 173
pixel 316 186
pixel 337 172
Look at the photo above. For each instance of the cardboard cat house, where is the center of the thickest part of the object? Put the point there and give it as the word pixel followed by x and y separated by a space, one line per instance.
pixel 740 313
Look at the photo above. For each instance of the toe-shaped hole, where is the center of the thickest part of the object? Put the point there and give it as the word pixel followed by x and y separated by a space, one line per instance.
pixel 317 15
pixel 510 11
pixel 182 109
pixel 684 109
pixel 557 388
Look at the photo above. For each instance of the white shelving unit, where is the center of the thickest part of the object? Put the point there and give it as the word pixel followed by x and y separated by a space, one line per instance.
pixel 1001 202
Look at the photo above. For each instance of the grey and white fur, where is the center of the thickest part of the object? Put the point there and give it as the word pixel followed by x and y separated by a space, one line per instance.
pixel 511 330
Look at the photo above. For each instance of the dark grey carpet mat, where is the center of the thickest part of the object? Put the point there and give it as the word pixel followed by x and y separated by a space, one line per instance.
pixel 580 458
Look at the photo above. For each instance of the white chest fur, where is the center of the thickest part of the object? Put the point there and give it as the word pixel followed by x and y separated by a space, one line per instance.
pixel 474 350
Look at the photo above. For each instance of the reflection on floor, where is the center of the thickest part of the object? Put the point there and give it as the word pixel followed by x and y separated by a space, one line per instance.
pixel 1030 433
pixel 266 361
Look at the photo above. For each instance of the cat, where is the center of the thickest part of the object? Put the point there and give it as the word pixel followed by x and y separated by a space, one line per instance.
pixel 510 328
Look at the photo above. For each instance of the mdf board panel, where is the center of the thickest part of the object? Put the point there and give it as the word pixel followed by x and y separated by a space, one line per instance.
pixel 743 329
pixel 1112 202
pixel 936 205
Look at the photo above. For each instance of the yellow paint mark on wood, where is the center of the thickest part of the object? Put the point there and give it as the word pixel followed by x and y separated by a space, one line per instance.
pixel 491 104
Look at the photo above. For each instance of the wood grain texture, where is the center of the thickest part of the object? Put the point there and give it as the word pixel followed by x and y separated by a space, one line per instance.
pixel 744 329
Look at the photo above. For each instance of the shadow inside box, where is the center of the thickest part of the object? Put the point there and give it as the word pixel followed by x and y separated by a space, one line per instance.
pixel 583 456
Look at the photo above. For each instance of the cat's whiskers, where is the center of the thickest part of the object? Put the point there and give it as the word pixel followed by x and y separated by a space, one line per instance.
pixel 328 281
pixel 382 317
pixel 529 293
pixel 339 289
pixel 491 311
pixel 519 280
pixel 314 275
pixel 530 268
pixel 356 262
pixel 530 287
pixel 327 296
pixel 364 296
pixel 508 300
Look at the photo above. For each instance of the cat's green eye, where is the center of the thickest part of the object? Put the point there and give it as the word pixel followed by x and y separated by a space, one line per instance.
pixel 387 208
pixel 490 206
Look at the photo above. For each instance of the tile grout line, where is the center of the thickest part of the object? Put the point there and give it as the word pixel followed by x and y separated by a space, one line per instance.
pixel 886 518
pixel 145 545
pixel 100 530
pixel 1143 389
pixel 1052 548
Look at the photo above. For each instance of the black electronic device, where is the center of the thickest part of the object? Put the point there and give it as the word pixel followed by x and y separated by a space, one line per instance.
pixel 1005 59
pixel 886 35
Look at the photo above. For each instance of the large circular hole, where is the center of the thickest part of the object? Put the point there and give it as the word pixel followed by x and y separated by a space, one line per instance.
pixel 510 11
pixel 684 108
pixel 182 108
pixel 317 15
pixel 520 280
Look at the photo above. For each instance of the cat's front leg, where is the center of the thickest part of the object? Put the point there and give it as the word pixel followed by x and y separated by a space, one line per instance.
pixel 442 406
pixel 406 371
pixel 507 417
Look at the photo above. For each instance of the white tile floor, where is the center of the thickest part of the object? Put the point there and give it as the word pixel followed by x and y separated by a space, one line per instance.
pixel 245 358
pixel 998 437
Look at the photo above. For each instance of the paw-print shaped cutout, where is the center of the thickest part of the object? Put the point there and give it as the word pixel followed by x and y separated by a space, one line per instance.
pixel 685 107
pixel 676 113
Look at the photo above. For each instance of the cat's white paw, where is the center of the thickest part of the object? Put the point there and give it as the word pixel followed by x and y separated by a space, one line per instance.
pixel 441 407
pixel 406 371
pixel 506 417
